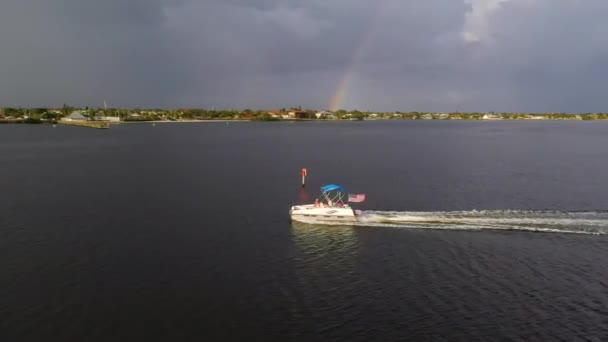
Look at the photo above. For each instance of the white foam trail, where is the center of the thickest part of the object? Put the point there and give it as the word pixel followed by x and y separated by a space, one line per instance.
pixel 590 222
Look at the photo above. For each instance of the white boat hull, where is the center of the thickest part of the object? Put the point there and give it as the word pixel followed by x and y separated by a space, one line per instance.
pixel 312 213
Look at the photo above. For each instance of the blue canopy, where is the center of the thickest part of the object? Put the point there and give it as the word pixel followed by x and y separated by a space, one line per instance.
pixel 330 187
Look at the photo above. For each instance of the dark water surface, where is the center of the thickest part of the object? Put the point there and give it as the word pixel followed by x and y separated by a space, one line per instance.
pixel 180 232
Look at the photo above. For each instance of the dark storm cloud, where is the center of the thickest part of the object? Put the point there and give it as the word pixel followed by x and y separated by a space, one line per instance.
pixel 520 55
pixel 85 52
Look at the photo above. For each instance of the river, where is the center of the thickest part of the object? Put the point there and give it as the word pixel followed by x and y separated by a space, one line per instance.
pixel 474 231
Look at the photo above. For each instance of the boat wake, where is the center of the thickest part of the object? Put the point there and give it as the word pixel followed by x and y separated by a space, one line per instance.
pixel 589 222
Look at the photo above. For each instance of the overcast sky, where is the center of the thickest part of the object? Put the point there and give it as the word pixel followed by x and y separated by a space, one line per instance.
pixel 384 55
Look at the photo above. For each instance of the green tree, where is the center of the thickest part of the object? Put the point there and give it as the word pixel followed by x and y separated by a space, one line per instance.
pixel 13 112
pixel 66 110
pixel 37 112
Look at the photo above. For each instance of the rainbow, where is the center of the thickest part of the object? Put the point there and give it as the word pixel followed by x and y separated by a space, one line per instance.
pixel 338 97
pixel 339 94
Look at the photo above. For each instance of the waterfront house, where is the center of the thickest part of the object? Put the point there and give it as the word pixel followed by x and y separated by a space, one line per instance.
pixel 325 115
pixel 298 114
pixel 491 117
pixel 274 113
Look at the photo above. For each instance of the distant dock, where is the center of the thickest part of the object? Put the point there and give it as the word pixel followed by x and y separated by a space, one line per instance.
pixel 91 124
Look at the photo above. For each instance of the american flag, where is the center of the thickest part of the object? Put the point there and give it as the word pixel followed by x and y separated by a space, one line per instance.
pixel 356 197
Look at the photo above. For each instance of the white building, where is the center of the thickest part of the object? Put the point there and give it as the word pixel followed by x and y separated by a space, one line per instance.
pixel 325 115
pixel 75 116
pixel 491 117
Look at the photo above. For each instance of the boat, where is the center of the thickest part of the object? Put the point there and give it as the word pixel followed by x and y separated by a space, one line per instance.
pixel 331 208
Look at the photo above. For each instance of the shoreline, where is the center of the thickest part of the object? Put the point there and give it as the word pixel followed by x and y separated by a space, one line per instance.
pixel 110 123
pixel 180 121
pixel 348 120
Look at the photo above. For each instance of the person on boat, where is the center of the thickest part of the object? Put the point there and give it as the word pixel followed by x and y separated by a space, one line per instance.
pixel 317 202
pixel 329 203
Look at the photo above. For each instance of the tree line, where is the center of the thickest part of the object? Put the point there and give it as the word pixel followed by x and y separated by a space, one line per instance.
pixel 269 115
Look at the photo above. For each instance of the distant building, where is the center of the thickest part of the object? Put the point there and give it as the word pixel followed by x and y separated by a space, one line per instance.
pixel 75 116
pixel 298 114
pixel 274 113
pixel 325 115
pixel 491 117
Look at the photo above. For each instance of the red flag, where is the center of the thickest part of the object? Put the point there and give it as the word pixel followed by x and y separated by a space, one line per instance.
pixel 356 197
